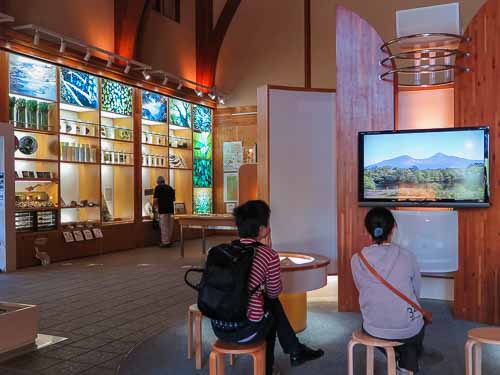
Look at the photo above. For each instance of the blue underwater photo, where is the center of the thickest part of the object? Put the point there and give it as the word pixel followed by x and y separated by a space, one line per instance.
pixel 202 118
pixel 180 113
pixel 154 106
pixel 78 88
pixel 116 97
pixel 31 77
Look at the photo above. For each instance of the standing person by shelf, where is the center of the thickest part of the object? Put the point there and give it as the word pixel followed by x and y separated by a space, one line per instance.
pixel 163 205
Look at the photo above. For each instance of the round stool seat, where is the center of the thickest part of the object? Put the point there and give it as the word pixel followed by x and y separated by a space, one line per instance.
pixel 194 308
pixel 229 348
pixel 368 340
pixel 485 335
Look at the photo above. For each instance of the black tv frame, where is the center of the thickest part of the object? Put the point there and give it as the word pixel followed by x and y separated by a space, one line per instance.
pixel 445 203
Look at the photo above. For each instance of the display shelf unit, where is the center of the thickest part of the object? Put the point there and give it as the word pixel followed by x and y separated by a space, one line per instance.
pixel 72 119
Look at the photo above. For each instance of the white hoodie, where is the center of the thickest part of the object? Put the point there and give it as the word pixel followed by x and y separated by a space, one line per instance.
pixel 385 315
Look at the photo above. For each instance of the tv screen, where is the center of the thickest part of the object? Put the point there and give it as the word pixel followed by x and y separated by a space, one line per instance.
pixel 436 167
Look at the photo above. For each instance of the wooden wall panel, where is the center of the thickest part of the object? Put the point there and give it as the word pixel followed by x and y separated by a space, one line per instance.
pixel 230 127
pixel 363 103
pixel 477 283
pixel 247 177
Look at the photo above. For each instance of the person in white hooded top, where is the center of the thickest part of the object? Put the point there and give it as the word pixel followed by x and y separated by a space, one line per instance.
pixel 385 315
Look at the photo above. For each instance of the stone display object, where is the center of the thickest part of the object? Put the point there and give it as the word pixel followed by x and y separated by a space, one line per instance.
pixel 18 325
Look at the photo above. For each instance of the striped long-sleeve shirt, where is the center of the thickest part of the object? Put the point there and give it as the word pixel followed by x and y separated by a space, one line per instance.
pixel 265 271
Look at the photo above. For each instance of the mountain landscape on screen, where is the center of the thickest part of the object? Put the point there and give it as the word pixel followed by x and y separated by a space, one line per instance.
pixel 437 161
pixel 437 177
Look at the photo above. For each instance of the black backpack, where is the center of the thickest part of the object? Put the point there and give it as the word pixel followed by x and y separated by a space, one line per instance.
pixel 223 290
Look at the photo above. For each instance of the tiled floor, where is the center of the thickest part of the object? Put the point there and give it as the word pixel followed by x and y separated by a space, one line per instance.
pixel 105 306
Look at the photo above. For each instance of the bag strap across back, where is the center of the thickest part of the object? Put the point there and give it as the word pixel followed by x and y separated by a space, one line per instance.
pixel 426 314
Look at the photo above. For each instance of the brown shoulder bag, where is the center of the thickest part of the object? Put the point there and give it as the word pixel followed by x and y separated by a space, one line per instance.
pixel 426 314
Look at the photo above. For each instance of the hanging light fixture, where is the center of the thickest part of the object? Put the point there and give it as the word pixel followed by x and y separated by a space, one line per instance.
pixel 87 56
pixel 198 93
pixel 127 69
pixel 146 75
pixel 221 100
pixel 165 80
pixel 62 47
pixel 180 85
pixel 36 38
pixel 110 62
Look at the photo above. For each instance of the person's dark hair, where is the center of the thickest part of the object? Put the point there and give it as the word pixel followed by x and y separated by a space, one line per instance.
pixel 250 217
pixel 379 222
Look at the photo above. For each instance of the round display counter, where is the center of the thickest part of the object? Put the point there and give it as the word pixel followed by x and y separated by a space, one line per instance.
pixel 301 273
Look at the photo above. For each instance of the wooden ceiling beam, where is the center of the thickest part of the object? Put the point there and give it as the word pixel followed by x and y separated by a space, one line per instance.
pixel 209 38
pixel 129 20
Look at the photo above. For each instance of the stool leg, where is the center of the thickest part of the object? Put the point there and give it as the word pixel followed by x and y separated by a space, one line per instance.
pixel 198 339
pixel 213 363
pixel 220 364
pixel 350 357
pixel 477 359
pixel 259 363
pixel 231 359
pixel 190 334
pixel 391 361
pixel 469 346
pixel 369 360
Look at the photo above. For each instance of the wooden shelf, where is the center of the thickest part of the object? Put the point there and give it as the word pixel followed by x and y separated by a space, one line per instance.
pixel 36 209
pixel 151 167
pixel 73 207
pixel 79 162
pixel 181 169
pixel 40 160
pixel 182 148
pixel 29 179
pixel 149 144
pixel 115 140
pixel 117 165
pixel 36 131
pixel 80 135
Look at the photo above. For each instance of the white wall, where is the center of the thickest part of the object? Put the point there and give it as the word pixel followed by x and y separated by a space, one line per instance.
pixel 302 172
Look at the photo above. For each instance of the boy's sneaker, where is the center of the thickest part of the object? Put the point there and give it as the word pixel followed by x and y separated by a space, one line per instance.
pixel 305 354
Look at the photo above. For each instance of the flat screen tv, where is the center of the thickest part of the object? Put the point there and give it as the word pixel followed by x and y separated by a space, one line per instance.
pixel 432 167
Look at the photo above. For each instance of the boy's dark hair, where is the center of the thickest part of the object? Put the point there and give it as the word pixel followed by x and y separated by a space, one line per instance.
pixel 379 222
pixel 250 216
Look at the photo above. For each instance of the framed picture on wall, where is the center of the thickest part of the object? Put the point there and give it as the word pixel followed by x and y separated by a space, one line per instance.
pixel 179 208
pixel 230 206
pixel 68 237
pixel 231 187
pixel 232 154
pixel 87 233
pixel 78 235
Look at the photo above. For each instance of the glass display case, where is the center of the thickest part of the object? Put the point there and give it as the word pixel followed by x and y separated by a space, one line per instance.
pixel 79 147
pixel 202 160
pixel 117 152
pixel 154 145
pixel 33 113
pixel 75 160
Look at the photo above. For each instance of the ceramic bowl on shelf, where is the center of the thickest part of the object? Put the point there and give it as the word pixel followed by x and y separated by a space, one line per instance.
pixel 28 145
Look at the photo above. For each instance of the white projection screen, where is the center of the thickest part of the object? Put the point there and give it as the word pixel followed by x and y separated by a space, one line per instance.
pixel 302 172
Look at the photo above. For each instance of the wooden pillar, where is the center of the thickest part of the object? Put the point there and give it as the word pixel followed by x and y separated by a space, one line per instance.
pixel 477 102
pixel 363 103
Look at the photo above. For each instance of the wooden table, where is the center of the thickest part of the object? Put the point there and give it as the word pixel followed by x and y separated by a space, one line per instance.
pixel 204 222
pixel 300 273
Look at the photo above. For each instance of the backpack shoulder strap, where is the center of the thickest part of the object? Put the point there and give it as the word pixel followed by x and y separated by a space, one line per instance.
pixel 426 314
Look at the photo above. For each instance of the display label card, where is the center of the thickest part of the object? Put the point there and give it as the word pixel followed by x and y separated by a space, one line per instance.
pixel 87 233
pixel 97 232
pixel 68 237
pixel 78 235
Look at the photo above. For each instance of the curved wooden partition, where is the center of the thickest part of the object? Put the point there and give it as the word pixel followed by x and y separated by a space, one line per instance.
pixel 477 102
pixel 363 103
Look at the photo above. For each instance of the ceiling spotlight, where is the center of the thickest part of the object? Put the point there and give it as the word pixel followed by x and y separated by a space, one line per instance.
pixel 62 47
pixel 87 55
pixel 110 62
pixel 198 92
pixel 127 69
pixel 36 38
pixel 165 80
pixel 146 75
pixel 180 85
pixel 212 95
pixel 221 100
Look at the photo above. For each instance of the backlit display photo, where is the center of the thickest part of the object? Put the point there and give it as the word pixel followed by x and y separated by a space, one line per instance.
pixel 440 167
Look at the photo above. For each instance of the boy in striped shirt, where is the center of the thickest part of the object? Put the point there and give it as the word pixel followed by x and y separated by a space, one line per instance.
pixel 266 318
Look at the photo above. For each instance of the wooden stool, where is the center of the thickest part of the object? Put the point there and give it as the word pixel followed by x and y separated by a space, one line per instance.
pixel 219 349
pixel 478 336
pixel 359 337
pixel 194 316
